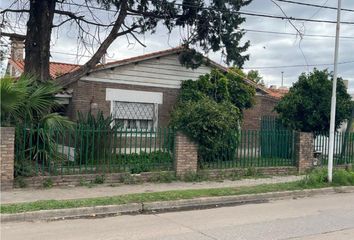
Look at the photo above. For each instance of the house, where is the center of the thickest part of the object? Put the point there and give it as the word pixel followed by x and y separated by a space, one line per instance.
pixel 139 92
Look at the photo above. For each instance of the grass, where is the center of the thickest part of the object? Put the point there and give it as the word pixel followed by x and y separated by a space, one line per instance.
pixel 149 197
pixel 316 179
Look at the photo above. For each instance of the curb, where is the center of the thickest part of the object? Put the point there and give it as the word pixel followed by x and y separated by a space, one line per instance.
pixel 167 206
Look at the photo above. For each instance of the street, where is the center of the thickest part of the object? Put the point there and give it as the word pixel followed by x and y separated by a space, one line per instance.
pixel 321 217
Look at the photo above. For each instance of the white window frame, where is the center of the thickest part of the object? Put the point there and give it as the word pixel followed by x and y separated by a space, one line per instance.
pixel 132 96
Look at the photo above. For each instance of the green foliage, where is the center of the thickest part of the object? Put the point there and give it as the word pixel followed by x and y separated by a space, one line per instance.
pixel 195 177
pixel 213 29
pixel 229 87
pixel 96 122
pixel 146 162
pixel 95 131
pixel 255 76
pixel 99 179
pixel 31 104
pixel 318 177
pixel 307 105
pixel 26 100
pixel 163 177
pixel 20 182
pixel 47 183
pixel 209 110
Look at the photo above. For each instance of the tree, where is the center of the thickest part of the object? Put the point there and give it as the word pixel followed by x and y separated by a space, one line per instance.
pixel 30 104
pixel 307 105
pixel 255 76
pixel 220 87
pixel 212 25
pixel 209 110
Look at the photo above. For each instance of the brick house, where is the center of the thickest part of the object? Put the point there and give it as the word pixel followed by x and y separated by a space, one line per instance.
pixel 139 92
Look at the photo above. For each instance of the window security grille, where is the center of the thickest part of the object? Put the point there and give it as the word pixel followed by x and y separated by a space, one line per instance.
pixel 135 116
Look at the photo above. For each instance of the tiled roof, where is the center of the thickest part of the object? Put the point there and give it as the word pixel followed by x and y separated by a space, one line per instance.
pixel 277 93
pixel 56 69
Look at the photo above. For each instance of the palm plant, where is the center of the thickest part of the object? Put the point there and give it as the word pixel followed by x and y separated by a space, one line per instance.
pixel 30 105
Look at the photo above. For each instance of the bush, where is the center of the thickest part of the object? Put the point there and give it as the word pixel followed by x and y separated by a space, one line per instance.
pixel 209 111
pixel 316 177
pixel 343 178
pixel 214 126
pixel 99 179
pixel 48 183
pixel 319 177
pixel 146 162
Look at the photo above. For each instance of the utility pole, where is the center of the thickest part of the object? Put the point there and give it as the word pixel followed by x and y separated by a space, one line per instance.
pixel 334 98
pixel 282 79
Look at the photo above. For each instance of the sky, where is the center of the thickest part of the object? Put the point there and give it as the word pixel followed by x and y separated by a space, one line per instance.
pixel 269 53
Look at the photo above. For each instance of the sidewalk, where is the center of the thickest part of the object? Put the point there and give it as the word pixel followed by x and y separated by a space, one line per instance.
pixel 31 195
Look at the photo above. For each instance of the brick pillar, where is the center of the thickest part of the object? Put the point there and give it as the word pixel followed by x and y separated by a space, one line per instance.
pixel 7 148
pixel 304 151
pixel 186 155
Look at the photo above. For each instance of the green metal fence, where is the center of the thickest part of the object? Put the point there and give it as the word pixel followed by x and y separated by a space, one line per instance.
pixel 41 151
pixel 254 149
pixel 343 148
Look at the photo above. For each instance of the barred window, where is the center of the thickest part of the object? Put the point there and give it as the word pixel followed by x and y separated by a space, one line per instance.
pixel 135 116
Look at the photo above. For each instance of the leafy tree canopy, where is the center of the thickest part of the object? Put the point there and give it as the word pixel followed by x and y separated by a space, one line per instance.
pixel 220 87
pixel 209 110
pixel 211 25
pixel 307 105
pixel 255 76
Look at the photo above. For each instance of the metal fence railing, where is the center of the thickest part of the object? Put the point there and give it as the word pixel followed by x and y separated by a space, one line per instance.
pixel 254 148
pixel 343 148
pixel 41 151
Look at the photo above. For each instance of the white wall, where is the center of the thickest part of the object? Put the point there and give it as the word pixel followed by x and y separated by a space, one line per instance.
pixel 162 72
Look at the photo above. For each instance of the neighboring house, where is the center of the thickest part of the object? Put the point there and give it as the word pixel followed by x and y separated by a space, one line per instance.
pixel 139 92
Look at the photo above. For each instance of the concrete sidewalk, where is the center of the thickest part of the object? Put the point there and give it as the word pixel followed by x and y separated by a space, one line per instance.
pixel 31 195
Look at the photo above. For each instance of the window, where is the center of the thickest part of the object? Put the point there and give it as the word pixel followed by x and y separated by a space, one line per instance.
pixel 134 110
pixel 135 116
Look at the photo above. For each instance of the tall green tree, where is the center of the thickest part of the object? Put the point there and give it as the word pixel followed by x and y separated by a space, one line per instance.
pixel 212 25
pixel 209 110
pixel 255 76
pixel 307 105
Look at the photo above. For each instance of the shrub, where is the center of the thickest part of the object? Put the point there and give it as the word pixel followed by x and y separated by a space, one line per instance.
pixel 48 183
pixel 316 177
pixel 343 177
pixel 163 177
pixel 209 111
pixel 99 179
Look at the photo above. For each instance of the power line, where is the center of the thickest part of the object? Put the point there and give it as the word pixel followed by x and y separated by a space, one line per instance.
pixel 299 65
pixel 234 12
pixel 294 34
pixel 315 5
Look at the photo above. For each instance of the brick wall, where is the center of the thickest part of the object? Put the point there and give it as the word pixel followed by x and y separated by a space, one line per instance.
pixel 7 157
pixel 304 151
pixel 85 91
pixel 264 106
pixel 186 155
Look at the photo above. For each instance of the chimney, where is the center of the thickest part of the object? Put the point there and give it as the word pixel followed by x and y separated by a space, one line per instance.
pixel 17 47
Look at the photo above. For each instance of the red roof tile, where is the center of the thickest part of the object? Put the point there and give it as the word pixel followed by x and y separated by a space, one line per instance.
pixel 56 69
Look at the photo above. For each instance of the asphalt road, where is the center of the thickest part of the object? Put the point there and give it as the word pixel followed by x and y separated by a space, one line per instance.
pixel 321 217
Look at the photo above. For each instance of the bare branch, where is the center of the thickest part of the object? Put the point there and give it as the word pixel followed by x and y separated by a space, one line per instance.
pixel 81 18
pixel 68 78
pixel 14 10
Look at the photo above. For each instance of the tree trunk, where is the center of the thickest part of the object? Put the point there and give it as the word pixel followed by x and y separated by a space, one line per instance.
pixel 37 45
pixel 71 77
